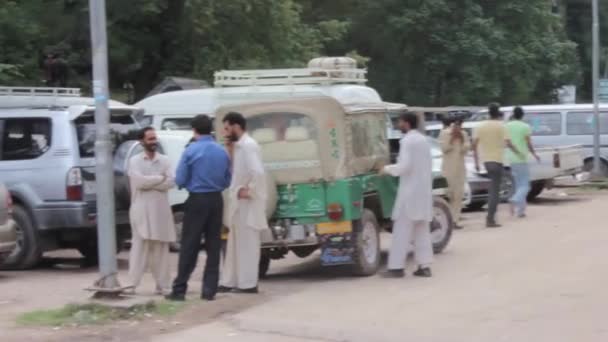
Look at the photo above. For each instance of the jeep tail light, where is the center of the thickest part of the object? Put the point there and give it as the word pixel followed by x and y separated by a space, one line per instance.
pixel 74 185
pixel 335 211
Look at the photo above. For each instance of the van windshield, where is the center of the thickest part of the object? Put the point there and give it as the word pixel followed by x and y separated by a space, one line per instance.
pixel 122 128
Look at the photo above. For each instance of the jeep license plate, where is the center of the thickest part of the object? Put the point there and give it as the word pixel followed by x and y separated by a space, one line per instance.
pixel 334 227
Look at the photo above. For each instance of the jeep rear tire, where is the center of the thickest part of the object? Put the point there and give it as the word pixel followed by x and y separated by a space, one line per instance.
pixel 28 253
pixel 442 225
pixel 366 239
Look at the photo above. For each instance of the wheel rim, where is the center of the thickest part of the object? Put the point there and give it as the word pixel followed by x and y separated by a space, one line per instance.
pixel 439 225
pixel 370 242
pixel 505 187
pixel 20 241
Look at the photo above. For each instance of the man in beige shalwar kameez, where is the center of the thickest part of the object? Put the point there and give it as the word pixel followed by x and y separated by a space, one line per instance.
pixel 151 176
pixel 455 144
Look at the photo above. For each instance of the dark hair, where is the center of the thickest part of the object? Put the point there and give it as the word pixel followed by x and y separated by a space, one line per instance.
pixel 202 124
pixel 447 121
pixel 141 135
pixel 410 118
pixel 234 118
pixel 518 113
pixel 494 110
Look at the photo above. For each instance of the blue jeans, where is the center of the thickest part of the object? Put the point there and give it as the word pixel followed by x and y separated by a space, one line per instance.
pixel 521 176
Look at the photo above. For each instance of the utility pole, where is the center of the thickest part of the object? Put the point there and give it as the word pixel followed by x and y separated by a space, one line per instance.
pixel 106 221
pixel 597 170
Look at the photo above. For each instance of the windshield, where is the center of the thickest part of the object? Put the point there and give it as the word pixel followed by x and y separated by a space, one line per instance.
pixel 122 128
pixel 177 124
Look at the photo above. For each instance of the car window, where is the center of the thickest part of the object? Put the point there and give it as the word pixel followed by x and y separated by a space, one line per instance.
pixel 176 124
pixel 544 124
pixel 369 136
pixel 582 123
pixel 25 138
pixel 122 128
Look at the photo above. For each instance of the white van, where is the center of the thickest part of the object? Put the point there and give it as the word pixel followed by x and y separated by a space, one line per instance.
pixel 568 124
pixel 336 77
pixel 557 159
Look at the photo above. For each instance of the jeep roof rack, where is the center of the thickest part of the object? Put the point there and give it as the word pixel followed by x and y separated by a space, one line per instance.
pixel 276 77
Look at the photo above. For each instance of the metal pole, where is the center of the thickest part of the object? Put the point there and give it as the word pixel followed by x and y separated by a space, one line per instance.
pixel 106 233
pixel 596 74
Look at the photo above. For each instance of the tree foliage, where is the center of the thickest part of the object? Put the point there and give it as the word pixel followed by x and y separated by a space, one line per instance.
pixel 422 52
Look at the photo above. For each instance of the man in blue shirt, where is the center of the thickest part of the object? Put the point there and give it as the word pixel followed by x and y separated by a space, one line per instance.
pixel 204 171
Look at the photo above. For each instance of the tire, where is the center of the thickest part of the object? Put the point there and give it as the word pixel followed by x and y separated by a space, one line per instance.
pixel 535 189
pixel 28 252
pixel 588 167
pixel 366 236
pixel 476 206
pixel 507 186
pixel 442 225
pixel 264 265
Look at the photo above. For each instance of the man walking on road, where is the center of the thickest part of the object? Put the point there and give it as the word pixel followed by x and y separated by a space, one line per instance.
pixel 205 171
pixel 519 134
pixel 414 203
pixel 150 177
pixel 455 144
pixel 246 214
pixel 490 139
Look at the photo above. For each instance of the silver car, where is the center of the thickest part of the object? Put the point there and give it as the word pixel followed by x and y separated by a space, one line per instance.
pixel 47 162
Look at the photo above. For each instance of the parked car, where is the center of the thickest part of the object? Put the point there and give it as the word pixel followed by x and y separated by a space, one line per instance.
pixel 556 161
pixel 8 233
pixel 47 162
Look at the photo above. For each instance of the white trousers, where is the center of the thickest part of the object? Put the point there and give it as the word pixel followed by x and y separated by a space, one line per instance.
pixel 150 254
pixel 406 231
pixel 241 265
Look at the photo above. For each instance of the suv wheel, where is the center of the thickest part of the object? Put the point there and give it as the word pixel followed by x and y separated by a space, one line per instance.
pixel 27 254
pixel 367 244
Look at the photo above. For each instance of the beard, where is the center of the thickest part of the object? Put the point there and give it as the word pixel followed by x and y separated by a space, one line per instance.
pixel 150 147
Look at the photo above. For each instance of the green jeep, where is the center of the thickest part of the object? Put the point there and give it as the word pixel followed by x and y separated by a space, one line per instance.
pixel 324 189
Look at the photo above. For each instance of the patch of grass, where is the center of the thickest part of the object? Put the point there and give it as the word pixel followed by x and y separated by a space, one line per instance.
pixel 96 314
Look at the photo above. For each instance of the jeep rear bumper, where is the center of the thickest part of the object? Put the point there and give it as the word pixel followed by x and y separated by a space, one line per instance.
pixel 64 214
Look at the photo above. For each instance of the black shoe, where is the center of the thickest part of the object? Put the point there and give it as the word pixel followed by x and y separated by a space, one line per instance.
pixel 207 297
pixel 224 289
pixel 493 225
pixel 424 272
pixel 393 274
pixel 252 290
pixel 175 297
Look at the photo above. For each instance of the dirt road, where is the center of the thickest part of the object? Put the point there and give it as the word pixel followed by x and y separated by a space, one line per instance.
pixel 538 279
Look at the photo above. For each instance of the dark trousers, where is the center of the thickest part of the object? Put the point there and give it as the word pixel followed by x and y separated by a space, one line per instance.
pixel 495 171
pixel 202 217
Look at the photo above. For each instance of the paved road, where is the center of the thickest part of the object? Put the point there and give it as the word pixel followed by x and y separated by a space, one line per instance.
pixel 539 279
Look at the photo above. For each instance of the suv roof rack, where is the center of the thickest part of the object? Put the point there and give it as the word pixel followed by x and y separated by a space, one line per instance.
pixel 270 77
pixel 39 91
pixel 39 97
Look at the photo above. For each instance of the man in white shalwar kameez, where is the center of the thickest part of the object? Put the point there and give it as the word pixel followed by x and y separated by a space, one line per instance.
pixel 150 176
pixel 412 212
pixel 246 209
